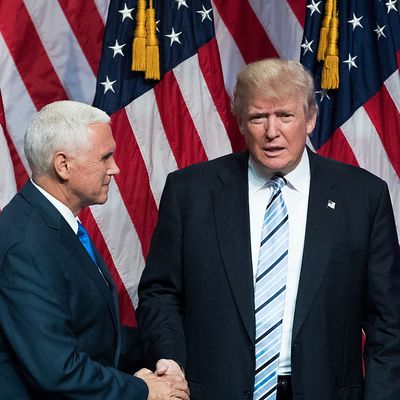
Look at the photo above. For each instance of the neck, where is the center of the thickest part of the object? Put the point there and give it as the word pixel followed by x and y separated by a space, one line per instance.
pixel 58 190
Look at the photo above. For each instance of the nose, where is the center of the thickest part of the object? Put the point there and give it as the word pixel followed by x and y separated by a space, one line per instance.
pixel 113 169
pixel 271 127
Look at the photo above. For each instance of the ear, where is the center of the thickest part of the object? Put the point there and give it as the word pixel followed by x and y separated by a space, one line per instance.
pixel 61 165
pixel 240 122
pixel 310 124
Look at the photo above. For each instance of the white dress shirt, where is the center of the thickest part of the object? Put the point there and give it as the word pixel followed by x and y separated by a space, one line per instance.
pixel 295 194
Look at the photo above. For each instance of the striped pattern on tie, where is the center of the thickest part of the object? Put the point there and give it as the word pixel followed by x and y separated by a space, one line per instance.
pixel 270 292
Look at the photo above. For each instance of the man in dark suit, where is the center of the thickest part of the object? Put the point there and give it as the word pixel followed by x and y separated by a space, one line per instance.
pixel 60 336
pixel 205 288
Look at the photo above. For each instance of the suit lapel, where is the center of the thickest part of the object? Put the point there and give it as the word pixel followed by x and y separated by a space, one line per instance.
pixel 71 242
pixel 231 212
pixel 322 217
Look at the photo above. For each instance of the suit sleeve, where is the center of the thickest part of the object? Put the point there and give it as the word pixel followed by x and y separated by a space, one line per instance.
pixel 131 358
pixel 161 291
pixel 38 326
pixel 382 309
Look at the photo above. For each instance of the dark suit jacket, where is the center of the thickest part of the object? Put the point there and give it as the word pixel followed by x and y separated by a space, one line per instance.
pixel 197 300
pixel 60 333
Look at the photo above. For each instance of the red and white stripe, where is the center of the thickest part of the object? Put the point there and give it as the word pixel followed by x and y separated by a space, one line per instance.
pixel 7 177
pixel 51 50
pixel 370 139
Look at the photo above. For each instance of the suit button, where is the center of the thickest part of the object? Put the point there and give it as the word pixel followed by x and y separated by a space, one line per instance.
pixel 247 395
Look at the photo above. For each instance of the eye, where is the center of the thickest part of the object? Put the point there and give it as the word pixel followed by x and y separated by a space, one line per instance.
pixel 257 118
pixel 106 157
pixel 286 117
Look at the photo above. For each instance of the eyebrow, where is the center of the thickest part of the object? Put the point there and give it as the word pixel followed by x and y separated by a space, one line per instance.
pixel 280 111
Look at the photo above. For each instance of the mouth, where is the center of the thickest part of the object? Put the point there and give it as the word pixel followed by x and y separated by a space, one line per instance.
pixel 273 151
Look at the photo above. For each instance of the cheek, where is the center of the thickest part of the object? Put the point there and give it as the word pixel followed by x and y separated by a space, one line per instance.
pixel 254 135
pixel 296 140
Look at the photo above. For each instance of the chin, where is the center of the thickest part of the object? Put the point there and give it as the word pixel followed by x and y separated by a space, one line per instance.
pixel 102 199
pixel 273 167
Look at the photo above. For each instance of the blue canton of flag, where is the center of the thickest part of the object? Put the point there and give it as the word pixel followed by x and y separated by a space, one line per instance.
pixel 359 122
pixel 183 27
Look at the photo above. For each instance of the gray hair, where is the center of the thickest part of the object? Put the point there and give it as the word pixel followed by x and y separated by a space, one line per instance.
pixel 274 79
pixel 59 126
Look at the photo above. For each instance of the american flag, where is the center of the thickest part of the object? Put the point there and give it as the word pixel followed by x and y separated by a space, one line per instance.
pixel 360 122
pixel 52 50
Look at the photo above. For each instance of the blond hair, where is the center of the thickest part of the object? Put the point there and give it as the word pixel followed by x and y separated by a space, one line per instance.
pixel 274 79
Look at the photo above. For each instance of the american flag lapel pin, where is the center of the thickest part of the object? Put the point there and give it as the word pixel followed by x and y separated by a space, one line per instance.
pixel 331 204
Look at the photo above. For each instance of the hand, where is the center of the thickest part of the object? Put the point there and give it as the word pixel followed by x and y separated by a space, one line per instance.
pixel 164 387
pixel 167 367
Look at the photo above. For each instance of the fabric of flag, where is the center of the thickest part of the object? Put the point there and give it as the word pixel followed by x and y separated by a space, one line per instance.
pixel 53 50
pixel 360 122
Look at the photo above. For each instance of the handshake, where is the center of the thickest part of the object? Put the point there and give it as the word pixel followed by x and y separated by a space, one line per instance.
pixel 167 382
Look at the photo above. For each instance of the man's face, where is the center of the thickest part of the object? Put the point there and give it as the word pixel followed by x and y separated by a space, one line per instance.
pixel 275 132
pixel 92 169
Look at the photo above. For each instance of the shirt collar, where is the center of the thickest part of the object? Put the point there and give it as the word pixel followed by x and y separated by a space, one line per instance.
pixel 298 179
pixel 61 208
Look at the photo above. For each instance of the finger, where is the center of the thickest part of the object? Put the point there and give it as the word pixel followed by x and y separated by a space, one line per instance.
pixel 181 396
pixel 181 389
pixel 161 367
pixel 143 371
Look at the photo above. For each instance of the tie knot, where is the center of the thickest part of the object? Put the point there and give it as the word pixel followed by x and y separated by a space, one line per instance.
pixel 82 232
pixel 277 182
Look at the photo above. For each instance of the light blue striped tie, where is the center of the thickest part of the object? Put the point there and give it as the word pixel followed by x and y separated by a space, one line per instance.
pixel 270 292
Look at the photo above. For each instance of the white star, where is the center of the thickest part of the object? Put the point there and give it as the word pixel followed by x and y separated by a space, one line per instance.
pixel 205 13
pixel 126 12
pixel 355 22
pixel 391 5
pixel 108 85
pixel 157 22
pixel 174 36
pixel 351 62
pixel 323 93
pixel 117 48
pixel 306 46
pixel 379 31
pixel 314 7
pixel 181 3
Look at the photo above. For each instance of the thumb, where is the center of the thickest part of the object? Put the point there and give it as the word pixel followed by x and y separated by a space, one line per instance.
pixel 161 367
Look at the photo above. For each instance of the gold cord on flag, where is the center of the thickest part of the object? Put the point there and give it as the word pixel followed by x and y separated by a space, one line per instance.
pixel 145 49
pixel 323 36
pixel 139 40
pixel 330 70
pixel 152 53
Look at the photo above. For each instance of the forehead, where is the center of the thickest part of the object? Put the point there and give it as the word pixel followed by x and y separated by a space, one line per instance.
pixel 100 133
pixel 267 104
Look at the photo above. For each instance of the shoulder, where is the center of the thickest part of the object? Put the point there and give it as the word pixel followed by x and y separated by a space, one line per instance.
pixel 15 220
pixel 234 163
pixel 352 175
pixel 24 227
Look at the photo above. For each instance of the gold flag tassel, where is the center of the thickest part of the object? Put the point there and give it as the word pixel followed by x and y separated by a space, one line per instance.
pixel 323 36
pixel 139 38
pixel 330 70
pixel 152 53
